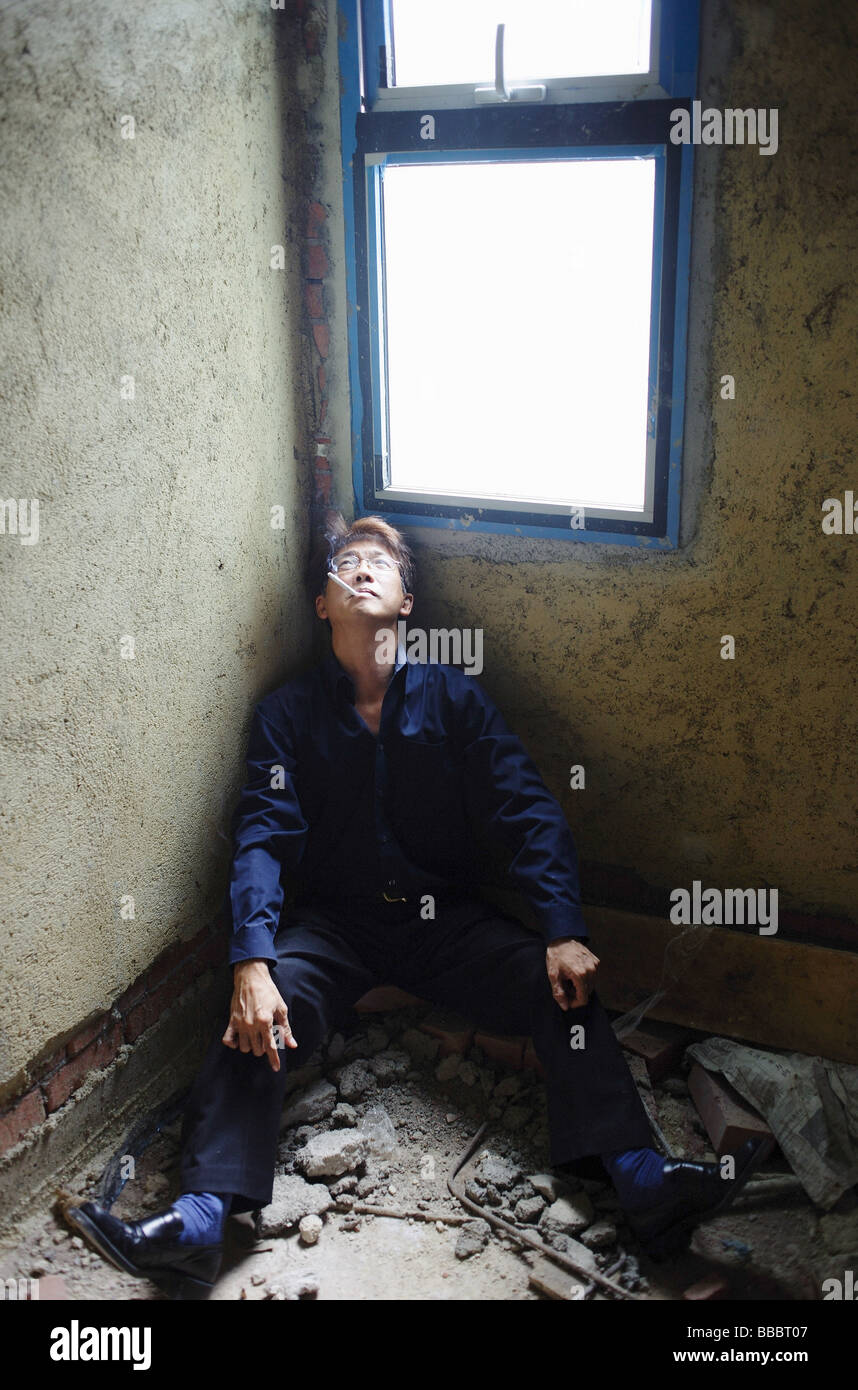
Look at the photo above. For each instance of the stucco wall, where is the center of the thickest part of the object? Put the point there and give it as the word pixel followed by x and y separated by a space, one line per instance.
pixel 740 773
pixel 148 257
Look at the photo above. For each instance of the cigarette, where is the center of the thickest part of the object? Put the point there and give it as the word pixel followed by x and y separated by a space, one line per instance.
pixel 342 583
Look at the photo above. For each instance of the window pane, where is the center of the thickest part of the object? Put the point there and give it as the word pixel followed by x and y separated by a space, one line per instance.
pixel 518 328
pixel 440 41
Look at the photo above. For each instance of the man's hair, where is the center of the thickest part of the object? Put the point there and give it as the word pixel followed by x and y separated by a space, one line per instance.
pixel 337 534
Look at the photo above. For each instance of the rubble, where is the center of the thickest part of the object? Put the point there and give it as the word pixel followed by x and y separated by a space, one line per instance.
pixel 312 1105
pixel 332 1153
pixel 291 1287
pixel 354 1080
pixel 529 1209
pixel 473 1238
pixel 390 1063
pixel 548 1185
pixel 309 1229
pixel 448 1067
pixel 600 1236
pixel 343 1148
pixel 568 1215
pixel 497 1171
pixel 420 1046
pixel 293 1199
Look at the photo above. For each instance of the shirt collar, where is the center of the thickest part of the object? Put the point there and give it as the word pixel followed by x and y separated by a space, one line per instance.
pixel 336 675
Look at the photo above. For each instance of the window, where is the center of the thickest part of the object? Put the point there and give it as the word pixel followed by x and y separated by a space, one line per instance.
pixel 517 223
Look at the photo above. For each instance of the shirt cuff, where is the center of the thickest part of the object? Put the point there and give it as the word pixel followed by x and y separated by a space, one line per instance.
pixel 558 922
pixel 251 943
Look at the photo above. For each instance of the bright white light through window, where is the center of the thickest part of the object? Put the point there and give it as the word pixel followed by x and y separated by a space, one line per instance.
pixel 442 41
pixel 518 328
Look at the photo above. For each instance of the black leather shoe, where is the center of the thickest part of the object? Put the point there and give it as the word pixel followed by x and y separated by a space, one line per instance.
pixel 692 1193
pixel 150 1249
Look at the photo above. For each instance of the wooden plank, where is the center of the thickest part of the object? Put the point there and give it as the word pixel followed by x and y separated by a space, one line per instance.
pixel 756 988
pixel 554 1282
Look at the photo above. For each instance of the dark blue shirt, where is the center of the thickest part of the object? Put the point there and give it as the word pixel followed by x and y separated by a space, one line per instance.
pixel 445 795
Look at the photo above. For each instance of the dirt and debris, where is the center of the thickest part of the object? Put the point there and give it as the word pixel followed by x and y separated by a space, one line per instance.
pixel 372 1129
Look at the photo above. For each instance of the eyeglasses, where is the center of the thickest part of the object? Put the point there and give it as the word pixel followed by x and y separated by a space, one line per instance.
pixel 350 561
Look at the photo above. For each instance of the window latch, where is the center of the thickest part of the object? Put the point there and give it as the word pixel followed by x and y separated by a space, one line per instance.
pixel 500 92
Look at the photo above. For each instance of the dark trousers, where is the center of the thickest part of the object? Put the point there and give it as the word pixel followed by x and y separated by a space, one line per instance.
pixel 474 959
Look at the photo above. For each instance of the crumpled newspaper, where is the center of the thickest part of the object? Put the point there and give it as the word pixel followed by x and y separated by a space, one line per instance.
pixel 809 1103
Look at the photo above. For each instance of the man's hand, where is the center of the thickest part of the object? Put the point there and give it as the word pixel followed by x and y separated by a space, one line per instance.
pixel 256 1006
pixel 572 972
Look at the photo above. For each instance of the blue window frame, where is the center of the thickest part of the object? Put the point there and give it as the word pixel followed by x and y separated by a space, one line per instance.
pixel 597 118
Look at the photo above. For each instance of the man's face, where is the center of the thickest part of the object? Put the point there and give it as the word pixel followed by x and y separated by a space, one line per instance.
pixel 371 569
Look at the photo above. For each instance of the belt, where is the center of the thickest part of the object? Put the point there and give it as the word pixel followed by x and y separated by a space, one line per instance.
pixel 393 891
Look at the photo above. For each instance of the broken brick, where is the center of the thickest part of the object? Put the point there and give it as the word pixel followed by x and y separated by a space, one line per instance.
pixel 708 1289
pixel 85 1036
pixel 317 262
pixel 52 1287
pixel 384 997
pixel 661 1046
pixel 23 1116
pixel 530 1061
pixel 322 338
pixel 316 215
pixel 69 1077
pixel 729 1121
pixel 507 1050
pixel 313 300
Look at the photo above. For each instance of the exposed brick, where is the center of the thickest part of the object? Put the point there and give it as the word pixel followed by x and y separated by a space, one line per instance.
pixel 317 262
pixel 321 377
pixel 384 997
pixel 99 1054
pixel 455 1034
pixel 131 995
pixel 166 963
pixel 501 1048
pixel 86 1036
pixel 322 337
pixel 176 984
pixel 39 1070
pixel 23 1116
pixel 728 1120
pixel 313 300
pixel 661 1046
pixel 530 1061
pixel 316 215
pixel 52 1288
pixel 324 480
pixel 141 1017
pixel 708 1289
pixel 167 993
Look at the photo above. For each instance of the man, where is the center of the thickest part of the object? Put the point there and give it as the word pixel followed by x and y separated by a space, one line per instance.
pixel 387 791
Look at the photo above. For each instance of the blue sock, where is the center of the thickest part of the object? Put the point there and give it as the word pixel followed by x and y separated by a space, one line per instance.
pixel 637 1175
pixel 203 1214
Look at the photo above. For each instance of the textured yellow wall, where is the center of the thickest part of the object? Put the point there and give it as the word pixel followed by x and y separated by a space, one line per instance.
pixel 149 257
pixel 741 773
